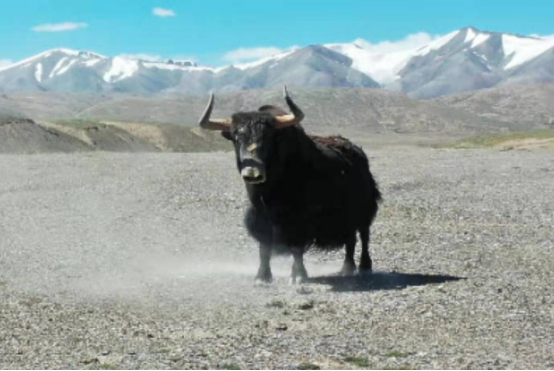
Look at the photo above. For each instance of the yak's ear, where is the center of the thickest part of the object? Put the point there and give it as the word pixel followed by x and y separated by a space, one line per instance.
pixel 226 135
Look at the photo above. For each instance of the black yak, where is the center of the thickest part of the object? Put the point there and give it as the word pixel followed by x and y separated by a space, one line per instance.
pixel 304 190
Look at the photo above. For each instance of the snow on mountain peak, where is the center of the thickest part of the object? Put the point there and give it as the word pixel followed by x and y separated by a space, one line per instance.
pixel 38 72
pixel 437 44
pixel 48 53
pixel 275 57
pixel 522 49
pixel 475 36
pixel 479 39
pixel 470 35
pixel 67 53
pixel 384 67
pixel 121 68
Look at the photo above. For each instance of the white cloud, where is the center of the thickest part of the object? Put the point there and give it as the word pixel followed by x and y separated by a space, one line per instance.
pixel 410 42
pixel 5 62
pixel 59 27
pixel 161 12
pixel 248 54
pixel 142 56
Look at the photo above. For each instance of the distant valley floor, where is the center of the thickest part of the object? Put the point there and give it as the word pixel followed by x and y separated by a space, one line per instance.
pixel 58 122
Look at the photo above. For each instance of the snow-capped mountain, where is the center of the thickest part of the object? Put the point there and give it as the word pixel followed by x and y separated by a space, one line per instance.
pixel 463 60
pixel 385 67
pixel 80 71
pixel 73 71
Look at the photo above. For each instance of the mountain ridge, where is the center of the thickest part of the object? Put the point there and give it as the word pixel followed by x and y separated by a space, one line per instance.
pixel 464 60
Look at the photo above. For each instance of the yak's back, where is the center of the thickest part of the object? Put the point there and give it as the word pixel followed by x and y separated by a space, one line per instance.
pixel 340 148
pixel 335 141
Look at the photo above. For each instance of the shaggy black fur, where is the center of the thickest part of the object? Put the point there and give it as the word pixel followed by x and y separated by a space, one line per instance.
pixel 316 191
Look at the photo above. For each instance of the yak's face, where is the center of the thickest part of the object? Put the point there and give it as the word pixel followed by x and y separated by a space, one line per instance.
pixel 252 134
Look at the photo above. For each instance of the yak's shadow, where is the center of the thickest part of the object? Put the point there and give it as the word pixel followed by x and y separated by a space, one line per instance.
pixel 379 281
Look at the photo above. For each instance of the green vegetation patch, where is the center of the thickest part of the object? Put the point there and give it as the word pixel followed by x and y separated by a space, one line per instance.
pixel 358 361
pixel 396 354
pixel 496 140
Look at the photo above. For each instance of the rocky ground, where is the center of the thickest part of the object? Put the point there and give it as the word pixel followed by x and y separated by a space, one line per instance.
pixel 136 260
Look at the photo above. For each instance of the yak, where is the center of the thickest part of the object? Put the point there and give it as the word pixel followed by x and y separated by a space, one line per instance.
pixel 304 190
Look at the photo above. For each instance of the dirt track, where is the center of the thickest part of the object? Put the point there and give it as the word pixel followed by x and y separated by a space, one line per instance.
pixel 140 261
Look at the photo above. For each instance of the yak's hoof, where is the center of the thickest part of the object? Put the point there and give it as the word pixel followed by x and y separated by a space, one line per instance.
pixel 348 269
pixel 299 275
pixel 297 280
pixel 259 282
pixel 365 270
pixel 365 267
pixel 264 278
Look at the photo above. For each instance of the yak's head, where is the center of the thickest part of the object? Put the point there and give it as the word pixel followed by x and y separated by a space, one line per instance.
pixel 252 134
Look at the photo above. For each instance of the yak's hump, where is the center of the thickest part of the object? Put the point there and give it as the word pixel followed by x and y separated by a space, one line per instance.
pixel 335 141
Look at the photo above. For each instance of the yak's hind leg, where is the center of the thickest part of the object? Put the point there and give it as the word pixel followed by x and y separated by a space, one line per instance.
pixel 365 259
pixel 264 272
pixel 349 266
pixel 299 272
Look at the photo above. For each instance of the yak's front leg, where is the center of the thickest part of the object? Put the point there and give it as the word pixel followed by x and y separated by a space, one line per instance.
pixel 349 266
pixel 299 272
pixel 264 272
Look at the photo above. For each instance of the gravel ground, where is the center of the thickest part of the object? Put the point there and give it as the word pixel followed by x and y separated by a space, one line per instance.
pixel 141 261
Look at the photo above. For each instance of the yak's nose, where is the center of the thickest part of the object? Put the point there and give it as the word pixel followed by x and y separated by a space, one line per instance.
pixel 252 175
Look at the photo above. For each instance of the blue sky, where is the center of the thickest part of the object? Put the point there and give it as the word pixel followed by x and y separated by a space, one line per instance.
pixel 218 32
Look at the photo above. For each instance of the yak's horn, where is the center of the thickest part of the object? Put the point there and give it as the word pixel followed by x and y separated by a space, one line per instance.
pixel 213 124
pixel 289 120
